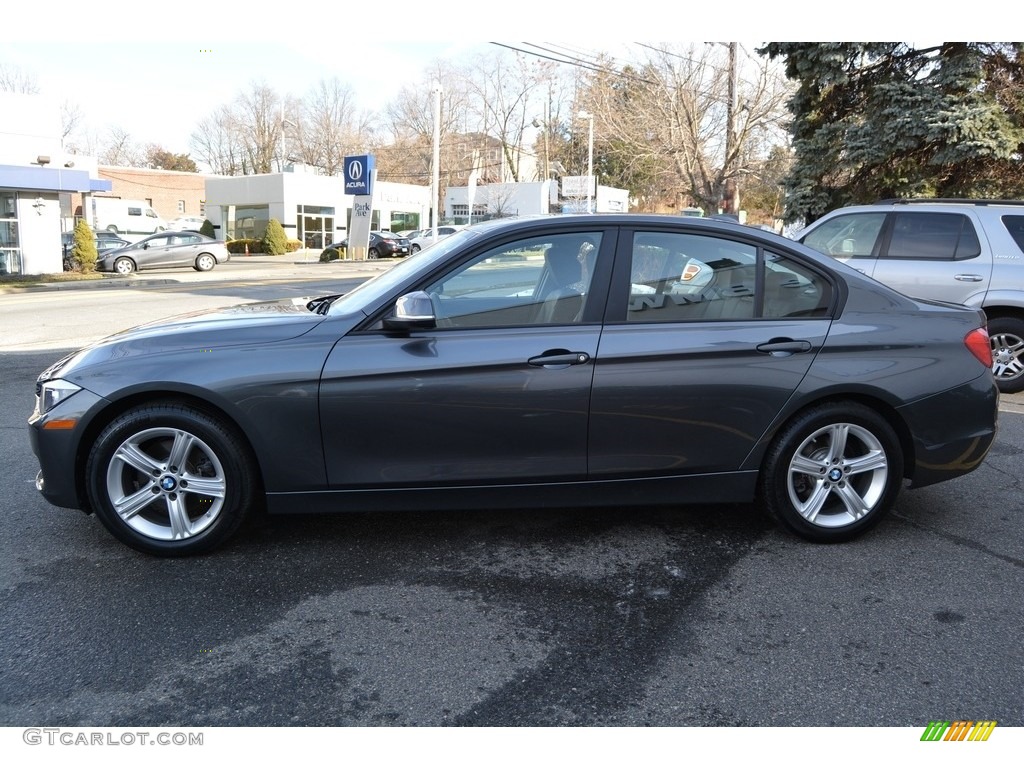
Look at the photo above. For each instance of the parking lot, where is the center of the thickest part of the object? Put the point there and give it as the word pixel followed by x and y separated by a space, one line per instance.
pixel 677 616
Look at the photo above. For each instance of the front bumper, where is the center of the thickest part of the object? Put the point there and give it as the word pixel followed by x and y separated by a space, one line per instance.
pixel 952 431
pixel 57 449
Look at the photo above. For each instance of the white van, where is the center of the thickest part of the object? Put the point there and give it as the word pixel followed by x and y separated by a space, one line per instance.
pixel 125 217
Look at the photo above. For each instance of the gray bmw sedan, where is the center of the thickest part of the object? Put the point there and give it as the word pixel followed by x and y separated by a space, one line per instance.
pixel 551 361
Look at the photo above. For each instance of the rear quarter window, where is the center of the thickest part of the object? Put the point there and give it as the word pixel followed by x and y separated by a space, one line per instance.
pixel 1015 226
pixel 934 236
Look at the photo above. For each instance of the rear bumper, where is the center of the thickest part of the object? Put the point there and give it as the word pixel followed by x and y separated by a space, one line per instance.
pixel 952 431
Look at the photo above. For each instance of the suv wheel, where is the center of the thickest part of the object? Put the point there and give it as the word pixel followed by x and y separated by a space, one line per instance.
pixel 1007 337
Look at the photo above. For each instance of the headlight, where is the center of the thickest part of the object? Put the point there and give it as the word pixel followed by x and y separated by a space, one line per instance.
pixel 54 391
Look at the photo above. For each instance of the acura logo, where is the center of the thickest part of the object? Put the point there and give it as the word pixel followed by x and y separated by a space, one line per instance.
pixel 355 170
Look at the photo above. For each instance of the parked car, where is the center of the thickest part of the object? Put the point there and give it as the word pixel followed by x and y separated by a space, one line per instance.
pixel 570 360
pixel 107 242
pixel 166 249
pixel 966 251
pixel 383 245
pixel 186 222
pixel 426 236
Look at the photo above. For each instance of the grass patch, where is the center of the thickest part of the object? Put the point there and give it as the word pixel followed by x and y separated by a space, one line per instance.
pixel 57 277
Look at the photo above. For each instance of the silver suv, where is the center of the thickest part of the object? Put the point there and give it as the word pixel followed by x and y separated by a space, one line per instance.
pixel 965 251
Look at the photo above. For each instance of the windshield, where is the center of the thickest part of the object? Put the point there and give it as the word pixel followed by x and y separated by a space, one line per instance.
pixel 386 282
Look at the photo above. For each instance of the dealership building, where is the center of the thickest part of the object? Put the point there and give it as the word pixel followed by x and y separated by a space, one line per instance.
pixel 37 183
pixel 313 209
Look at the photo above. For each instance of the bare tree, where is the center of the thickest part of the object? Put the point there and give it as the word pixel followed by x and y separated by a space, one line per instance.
pixel 15 80
pixel 406 154
pixel 70 120
pixel 243 137
pixel 121 149
pixel 667 121
pixel 511 90
pixel 331 126
pixel 259 123
pixel 217 143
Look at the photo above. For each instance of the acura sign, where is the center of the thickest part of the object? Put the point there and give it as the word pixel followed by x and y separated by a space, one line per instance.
pixel 359 175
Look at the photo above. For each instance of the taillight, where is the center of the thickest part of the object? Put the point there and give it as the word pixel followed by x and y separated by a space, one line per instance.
pixel 977 342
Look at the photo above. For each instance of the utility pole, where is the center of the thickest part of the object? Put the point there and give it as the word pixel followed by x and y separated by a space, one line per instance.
pixel 435 173
pixel 731 185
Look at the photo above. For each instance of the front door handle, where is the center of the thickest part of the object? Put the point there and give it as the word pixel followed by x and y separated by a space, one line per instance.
pixel 559 357
pixel 968 278
pixel 784 347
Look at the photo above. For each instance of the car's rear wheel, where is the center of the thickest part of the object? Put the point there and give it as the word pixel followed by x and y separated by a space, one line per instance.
pixel 833 472
pixel 124 266
pixel 1007 337
pixel 205 262
pixel 169 479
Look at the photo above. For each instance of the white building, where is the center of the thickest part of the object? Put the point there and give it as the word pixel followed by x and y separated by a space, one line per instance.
pixel 528 199
pixel 37 180
pixel 312 209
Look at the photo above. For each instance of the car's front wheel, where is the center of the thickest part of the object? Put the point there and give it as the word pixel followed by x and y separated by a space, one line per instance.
pixel 833 472
pixel 1007 337
pixel 124 266
pixel 415 248
pixel 169 479
pixel 373 253
pixel 205 262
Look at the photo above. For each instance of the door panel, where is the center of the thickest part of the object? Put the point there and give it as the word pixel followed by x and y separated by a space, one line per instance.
pixel 457 407
pixel 686 398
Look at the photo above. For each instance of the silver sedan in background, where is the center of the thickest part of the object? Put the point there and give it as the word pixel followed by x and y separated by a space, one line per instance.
pixel 166 249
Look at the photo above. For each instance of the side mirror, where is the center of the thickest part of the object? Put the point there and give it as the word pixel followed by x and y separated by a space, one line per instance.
pixel 413 310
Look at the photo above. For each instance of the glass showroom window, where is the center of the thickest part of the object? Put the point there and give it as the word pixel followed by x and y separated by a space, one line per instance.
pixel 10 251
pixel 245 221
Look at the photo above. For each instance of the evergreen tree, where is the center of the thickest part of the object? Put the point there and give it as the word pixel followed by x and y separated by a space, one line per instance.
pixel 83 252
pixel 881 120
pixel 275 242
pixel 207 229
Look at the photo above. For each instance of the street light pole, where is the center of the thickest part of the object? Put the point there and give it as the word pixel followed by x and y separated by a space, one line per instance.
pixel 590 159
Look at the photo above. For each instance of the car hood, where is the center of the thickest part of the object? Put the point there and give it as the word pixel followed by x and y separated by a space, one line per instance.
pixel 244 324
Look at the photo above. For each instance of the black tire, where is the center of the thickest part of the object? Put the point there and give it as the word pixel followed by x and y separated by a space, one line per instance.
pixel 124 266
pixel 170 480
pixel 833 472
pixel 1007 337
pixel 414 248
pixel 113 228
pixel 205 262
pixel 372 253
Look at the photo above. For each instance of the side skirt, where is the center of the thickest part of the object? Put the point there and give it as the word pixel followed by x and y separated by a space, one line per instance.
pixel 723 487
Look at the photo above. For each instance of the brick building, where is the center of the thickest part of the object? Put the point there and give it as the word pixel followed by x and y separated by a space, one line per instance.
pixel 170 193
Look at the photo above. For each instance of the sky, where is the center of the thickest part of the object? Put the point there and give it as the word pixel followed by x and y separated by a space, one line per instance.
pixel 155 70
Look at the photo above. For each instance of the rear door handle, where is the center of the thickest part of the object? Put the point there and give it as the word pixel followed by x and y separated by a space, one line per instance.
pixel 784 347
pixel 559 357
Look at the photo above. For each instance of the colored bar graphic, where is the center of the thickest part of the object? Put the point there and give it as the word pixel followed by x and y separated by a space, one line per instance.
pixel 958 730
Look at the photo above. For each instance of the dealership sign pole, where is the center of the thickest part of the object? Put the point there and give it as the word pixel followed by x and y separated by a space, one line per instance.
pixel 360 175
